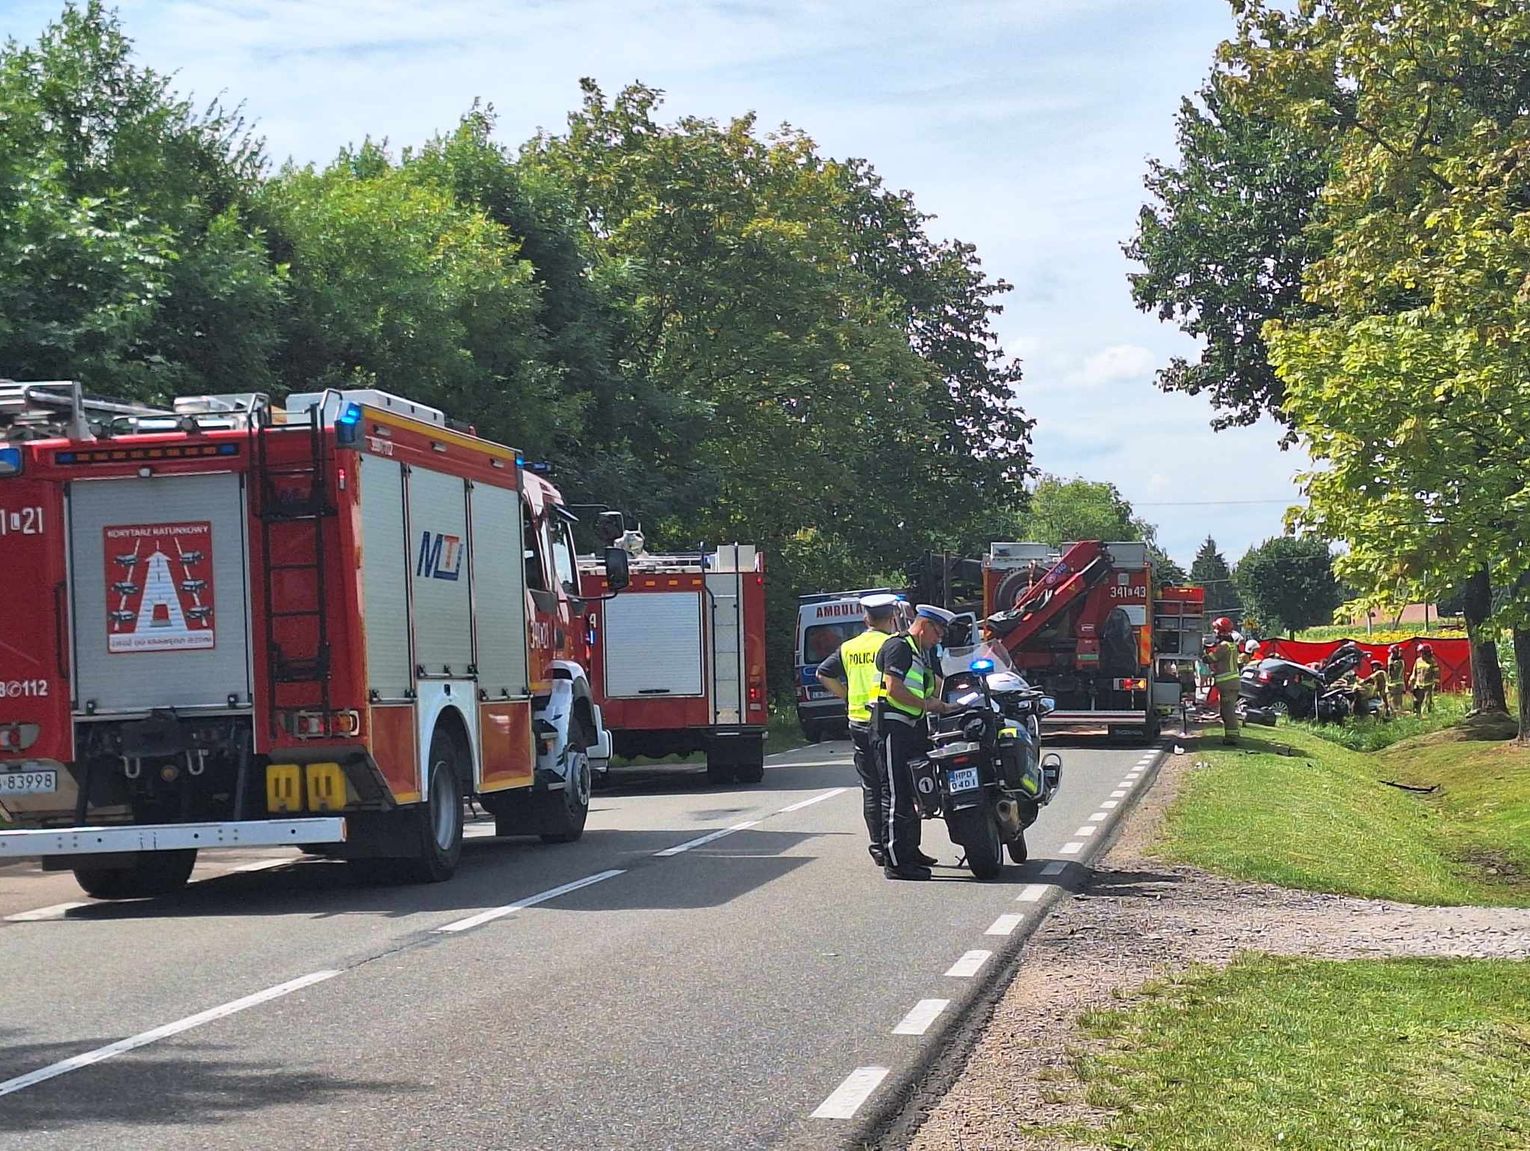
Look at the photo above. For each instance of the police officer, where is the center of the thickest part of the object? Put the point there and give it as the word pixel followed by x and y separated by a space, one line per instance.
pixel 908 695
pixel 851 675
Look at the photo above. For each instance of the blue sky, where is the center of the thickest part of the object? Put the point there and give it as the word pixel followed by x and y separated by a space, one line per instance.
pixel 1024 126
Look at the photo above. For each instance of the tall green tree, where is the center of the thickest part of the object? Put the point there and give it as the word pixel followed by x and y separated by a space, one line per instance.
pixel 1225 240
pixel 1209 569
pixel 1408 385
pixel 1063 509
pixel 1288 583
pixel 131 260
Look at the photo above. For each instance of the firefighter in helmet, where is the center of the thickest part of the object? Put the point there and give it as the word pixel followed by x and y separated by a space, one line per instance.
pixel 851 675
pixel 1222 659
pixel 1426 680
pixel 1397 678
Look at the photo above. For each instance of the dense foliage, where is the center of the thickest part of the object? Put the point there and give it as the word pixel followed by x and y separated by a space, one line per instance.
pixel 1287 583
pixel 1349 230
pixel 723 331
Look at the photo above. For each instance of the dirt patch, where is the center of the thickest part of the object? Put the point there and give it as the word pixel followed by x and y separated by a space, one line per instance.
pixel 1137 918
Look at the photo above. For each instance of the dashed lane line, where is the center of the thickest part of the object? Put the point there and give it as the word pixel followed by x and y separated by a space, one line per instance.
pixel 969 964
pixel 144 1038
pixel 1071 848
pixel 44 914
pixel 494 913
pixel 800 804
pixel 711 837
pixel 1005 924
pixel 918 1021
pixel 846 1099
pixel 1034 891
pixel 1056 867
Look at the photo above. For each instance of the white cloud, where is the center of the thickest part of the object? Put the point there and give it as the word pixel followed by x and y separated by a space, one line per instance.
pixel 1120 363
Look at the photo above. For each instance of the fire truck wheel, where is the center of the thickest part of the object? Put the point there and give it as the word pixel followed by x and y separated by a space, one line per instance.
pixel 440 816
pixel 752 768
pixel 154 873
pixel 565 811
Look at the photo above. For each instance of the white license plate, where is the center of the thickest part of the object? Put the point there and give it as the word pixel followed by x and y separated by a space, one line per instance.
pixel 962 778
pixel 28 782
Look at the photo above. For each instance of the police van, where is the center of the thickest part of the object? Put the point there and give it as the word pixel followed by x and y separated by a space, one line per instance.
pixel 824 621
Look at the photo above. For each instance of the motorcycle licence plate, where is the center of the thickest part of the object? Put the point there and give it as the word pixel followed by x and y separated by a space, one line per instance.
pixel 962 778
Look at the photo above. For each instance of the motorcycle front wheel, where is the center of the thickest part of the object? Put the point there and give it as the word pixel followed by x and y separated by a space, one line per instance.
pixel 976 829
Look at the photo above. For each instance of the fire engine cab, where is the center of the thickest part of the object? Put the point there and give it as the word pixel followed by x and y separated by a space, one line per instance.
pixel 678 661
pixel 229 625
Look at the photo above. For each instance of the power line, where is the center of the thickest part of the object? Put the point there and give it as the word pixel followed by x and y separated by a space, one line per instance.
pixel 1205 503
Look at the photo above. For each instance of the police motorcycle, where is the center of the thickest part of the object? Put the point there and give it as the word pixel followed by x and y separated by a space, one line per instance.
pixel 985 773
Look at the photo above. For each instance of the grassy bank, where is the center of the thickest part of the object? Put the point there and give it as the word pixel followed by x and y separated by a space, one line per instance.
pixel 1292 808
pixel 1394 1055
pixel 1373 734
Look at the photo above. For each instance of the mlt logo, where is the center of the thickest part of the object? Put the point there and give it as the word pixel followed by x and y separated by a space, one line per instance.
pixel 440 556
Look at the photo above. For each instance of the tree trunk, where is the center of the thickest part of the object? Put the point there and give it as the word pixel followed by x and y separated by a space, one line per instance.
pixel 1522 669
pixel 1487 676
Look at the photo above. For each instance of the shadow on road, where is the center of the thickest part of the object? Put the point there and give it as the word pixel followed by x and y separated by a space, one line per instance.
pixel 188 1083
pixel 493 872
pixel 691 779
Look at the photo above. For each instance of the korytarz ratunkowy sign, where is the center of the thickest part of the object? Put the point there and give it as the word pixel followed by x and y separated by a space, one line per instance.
pixel 159 587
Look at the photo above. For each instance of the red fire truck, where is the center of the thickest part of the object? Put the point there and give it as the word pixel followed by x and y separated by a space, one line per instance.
pixel 678 660
pixel 1089 623
pixel 319 627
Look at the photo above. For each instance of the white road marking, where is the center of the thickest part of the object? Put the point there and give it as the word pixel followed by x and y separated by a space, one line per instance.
pixel 1087 830
pixel 918 1021
pixel 530 901
pixel 1099 817
pixel 969 964
pixel 1119 793
pixel 1134 773
pixel 1034 891
pixel 682 848
pixel 817 763
pixel 1071 848
pixel 1056 867
pixel 1110 804
pixel 43 914
pixel 1005 924
pixel 262 865
pixel 849 1095
pixel 143 1039
pixel 800 804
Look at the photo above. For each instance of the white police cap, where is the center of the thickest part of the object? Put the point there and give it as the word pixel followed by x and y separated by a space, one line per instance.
pixel 939 614
pixel 879 602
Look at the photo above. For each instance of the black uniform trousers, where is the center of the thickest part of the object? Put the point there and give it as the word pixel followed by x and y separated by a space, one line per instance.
pixel 899 743
pixel 871 784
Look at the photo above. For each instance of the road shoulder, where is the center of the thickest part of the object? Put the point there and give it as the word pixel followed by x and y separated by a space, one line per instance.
pixel 1136 919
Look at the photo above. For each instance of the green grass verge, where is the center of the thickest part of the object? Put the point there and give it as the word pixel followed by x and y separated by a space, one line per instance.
pixel 1373 734
pixel 1291 808
pixel 1389 1055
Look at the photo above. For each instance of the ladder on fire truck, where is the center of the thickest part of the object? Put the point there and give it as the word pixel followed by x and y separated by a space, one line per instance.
pixel 291 501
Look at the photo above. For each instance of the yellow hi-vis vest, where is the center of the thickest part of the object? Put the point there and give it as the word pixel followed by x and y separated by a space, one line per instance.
pixel 859 655
pixel 919 682
pixel 1223 659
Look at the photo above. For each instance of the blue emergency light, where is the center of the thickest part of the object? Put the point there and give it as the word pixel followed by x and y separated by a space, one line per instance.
pixel 348 424
pixel 10 461
pixel 981 666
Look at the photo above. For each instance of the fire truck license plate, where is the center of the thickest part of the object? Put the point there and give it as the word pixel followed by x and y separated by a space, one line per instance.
pixel 28 782
pixel 962 778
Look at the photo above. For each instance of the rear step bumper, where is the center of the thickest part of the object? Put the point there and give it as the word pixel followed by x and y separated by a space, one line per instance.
pixel 170 837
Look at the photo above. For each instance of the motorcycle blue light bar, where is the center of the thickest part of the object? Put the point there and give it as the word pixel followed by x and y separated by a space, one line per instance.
pixel 981 666
pixel 10 461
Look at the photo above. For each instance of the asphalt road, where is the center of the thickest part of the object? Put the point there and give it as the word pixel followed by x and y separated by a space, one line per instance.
pixel 764 988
